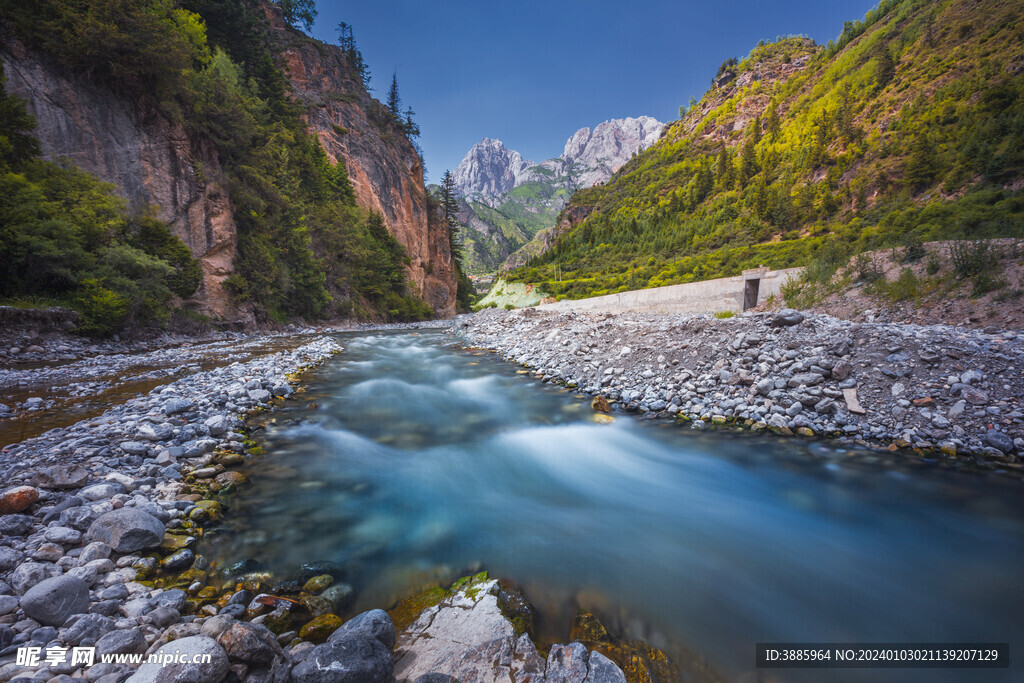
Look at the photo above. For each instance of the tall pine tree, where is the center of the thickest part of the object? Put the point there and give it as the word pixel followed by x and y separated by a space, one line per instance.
pixel 464 292
pixel 347 43
pixel 450 210
pixel 394 101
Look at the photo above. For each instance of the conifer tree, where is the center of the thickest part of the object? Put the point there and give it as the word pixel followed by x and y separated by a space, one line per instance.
pixel 394 101
pixel 299 11
pixel 409 126
pixel 773 121
pixel 347 43
pixel 725 173
pixel 450 210
pixel 885 67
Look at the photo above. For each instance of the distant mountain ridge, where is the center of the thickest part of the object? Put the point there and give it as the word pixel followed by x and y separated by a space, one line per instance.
pixel 508 199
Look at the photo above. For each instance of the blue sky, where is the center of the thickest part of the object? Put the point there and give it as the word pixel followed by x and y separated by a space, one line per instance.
pixel 531 72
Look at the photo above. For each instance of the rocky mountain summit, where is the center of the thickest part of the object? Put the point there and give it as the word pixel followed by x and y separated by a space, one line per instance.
pixel 591 156
pixel 600 152
pixel 490 169
pixel 509 199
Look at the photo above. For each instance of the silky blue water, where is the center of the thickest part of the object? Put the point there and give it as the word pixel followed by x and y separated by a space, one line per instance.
pixel 410 460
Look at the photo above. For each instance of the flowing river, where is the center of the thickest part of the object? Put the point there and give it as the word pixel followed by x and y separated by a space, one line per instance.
pixel 410 460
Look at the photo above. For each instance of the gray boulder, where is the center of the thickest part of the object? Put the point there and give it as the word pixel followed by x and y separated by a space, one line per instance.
pixel 135 447
pixel 62 477
pixel 121 642
pixel 567 663
pixel 253 644
pixel 786 318
pixel 28 574
pixel 52 601
pixel 127 530
pixel 351 659
pixel 154 432
pixel 80 518
pixel 376 624
pixel 603 670
pixel 91 626
pixel 259 395
pixel 15 525
pixel 9 557
pixel 177 405
pixel 999 441
pixel 188 650
pixel 218 425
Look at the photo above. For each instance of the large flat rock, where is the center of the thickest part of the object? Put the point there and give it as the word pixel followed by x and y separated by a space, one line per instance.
pixel 466 636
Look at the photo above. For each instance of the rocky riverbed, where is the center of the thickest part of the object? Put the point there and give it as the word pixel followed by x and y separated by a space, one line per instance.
pixel 97 526
pixel 945 392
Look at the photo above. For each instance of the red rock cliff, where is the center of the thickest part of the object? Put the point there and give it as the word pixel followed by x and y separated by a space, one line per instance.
pixel 383 165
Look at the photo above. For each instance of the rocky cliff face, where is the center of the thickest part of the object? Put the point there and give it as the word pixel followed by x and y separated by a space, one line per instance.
pixel 601 152
pixel 384 167
pixel 509 200
pixel 490 169
pixel 149 159
pixel 155 162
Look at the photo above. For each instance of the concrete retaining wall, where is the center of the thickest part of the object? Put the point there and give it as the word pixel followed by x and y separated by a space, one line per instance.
pixel 709 296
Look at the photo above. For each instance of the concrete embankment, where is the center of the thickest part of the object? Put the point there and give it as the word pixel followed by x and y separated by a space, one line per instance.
pixel 727 294
pixel 951 391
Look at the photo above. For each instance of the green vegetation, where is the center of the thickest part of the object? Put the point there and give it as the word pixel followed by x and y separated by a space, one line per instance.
pixel 67 238
pixel 448 205
pixel 909 127
pixel 304 248
pixel 525 211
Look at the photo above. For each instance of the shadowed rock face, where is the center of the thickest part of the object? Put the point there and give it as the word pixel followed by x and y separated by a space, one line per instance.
pixel 385 170
pixel 154 162
pixel 149 159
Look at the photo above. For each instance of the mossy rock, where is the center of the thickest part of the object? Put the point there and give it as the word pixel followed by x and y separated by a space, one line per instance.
pixel 279 621
pixel 318 584
pixel 145 566
pixel 640 662
pixel 317 630
pixel 585 626
pixel 206 511
pixel 231 459
pixel 225 482
pixel 194 574
pixel 405 612
pixel 172 543
pixel 207 593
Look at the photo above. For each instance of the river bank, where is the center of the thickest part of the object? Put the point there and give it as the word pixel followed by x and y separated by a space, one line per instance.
pixel 946 392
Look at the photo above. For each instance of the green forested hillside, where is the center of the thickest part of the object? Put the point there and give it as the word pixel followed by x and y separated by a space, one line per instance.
pixel 524 211
pixel 909 127
pixel 304 248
